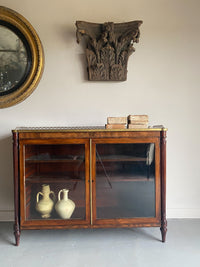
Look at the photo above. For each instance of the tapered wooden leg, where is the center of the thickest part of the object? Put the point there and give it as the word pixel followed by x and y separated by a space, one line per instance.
pixel 16 187
pixel 163 229
pixel 17 234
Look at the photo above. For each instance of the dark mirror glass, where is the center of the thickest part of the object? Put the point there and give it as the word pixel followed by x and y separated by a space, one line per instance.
pixel 15 58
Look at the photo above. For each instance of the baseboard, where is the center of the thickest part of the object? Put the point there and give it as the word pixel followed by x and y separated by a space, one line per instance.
pixel 183 213
pixel 8 215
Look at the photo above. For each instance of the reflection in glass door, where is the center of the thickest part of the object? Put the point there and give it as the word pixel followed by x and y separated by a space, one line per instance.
pixel 125 180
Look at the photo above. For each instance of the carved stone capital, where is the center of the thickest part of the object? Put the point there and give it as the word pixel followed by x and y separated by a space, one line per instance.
pixel 109 46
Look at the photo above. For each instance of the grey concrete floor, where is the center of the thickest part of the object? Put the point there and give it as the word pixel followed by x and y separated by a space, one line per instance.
pixel 139 247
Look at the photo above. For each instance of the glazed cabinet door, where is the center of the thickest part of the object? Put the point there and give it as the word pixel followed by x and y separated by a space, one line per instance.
pixel 126 182
pixel 54 187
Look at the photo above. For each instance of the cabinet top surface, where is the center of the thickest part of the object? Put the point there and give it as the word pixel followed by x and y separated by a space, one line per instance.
pixel 86 129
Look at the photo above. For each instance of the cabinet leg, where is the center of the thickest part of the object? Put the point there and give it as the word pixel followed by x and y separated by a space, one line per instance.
pixel 163 229
pixel 17 234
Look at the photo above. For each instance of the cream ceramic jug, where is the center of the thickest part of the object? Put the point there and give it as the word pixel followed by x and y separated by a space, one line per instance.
pixel 64 207
pixel 45 205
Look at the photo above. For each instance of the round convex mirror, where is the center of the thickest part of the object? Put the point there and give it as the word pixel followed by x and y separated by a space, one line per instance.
pixel 21 58
pixel 15 59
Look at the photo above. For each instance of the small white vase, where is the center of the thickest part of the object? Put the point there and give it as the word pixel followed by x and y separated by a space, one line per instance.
pixel 64 207
pixel 45 205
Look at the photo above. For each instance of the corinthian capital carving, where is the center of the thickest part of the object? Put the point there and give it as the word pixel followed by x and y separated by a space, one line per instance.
pixel 109 46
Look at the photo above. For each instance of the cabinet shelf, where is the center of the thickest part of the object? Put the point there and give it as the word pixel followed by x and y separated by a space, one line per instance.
pixel 52 179
pixel 77 215
pixel 60 179
pixel 121 158
pixel 54 160
pixel 125 178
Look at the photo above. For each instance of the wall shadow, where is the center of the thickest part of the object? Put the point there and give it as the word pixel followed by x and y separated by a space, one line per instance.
pixel 69 36
pixel 6 174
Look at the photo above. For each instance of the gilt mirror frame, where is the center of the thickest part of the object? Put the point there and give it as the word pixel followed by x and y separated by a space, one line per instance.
pixel 34 56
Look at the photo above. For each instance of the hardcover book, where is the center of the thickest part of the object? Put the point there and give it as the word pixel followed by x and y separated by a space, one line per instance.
pixel 138 118
pixel 117 120
pixel 116 126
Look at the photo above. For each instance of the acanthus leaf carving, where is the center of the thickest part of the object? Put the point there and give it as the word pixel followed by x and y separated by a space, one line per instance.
pixel 109 46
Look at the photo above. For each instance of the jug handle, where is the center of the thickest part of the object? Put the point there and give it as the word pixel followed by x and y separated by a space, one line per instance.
pixel 59 194
pixel 54 197
pixel 38 194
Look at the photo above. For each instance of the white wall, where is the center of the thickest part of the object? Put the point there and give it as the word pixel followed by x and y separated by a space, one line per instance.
pixel 163 82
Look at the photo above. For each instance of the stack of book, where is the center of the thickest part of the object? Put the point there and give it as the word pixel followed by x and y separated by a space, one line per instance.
pixel 116 123
pixel 138 121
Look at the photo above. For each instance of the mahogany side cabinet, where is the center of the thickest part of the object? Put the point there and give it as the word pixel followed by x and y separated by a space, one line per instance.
pixel 115 178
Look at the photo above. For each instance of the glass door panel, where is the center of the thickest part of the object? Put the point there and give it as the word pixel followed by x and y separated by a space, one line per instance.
pixel 48 170
pixel 125 180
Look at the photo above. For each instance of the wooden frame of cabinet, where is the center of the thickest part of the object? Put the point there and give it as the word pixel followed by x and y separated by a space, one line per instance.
pixel 30 171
